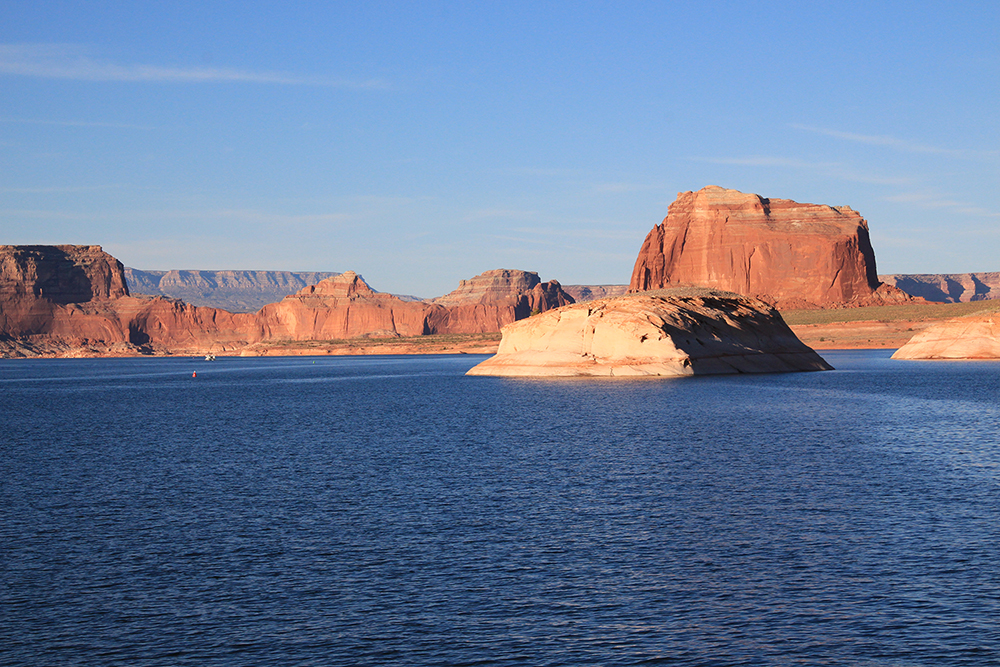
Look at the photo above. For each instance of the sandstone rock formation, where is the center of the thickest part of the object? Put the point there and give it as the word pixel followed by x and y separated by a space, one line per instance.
pixel 73 300
pixel 59 274
pixel 948 287
pixel 343 306
pixel 670 332
pixel 970 337
pixel 235 291
pixel 788 254
pixel 492 299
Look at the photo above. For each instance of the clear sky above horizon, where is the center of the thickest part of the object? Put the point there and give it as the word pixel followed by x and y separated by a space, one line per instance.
pixel 422 143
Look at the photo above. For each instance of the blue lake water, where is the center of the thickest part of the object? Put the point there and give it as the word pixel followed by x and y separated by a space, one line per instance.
pixel 390 510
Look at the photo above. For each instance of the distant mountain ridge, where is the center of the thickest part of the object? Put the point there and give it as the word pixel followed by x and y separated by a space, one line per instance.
pixel 235 291
pixel 948 287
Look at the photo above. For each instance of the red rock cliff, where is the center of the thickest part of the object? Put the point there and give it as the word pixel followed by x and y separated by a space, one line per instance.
pixel 786 253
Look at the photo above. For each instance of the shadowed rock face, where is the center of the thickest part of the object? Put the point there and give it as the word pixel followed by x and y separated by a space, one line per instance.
pixel 59 274
pixel 679 332
pixel 970 337
pixel 783 252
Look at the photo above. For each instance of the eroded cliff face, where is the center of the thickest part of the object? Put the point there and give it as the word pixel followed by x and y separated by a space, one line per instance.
pixel 73 300
pixel 668 332
pixel 789 254
pixel 59 274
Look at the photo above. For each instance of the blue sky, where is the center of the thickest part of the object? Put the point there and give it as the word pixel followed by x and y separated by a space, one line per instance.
pixel 422 143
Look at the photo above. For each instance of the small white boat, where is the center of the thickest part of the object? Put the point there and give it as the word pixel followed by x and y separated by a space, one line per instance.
pixel 209 357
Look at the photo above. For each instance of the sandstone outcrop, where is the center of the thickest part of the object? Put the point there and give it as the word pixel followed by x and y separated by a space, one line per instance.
pixel 235 291
pixel 948 287
pixel 788 254
pixel 59 274
pixel 343 306
pixel 492 299
pixel 669 332
pixel 970 337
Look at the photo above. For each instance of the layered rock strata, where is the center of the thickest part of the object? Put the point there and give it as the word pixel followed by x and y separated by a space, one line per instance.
pixel 582 293
pixel 670 333
pixel 948 287
pixel 789 254
pixel 970 337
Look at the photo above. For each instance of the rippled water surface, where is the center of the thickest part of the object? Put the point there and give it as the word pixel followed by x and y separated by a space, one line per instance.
pixel 390 510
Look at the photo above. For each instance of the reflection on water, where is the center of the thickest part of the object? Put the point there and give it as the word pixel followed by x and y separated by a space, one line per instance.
pixel 391 510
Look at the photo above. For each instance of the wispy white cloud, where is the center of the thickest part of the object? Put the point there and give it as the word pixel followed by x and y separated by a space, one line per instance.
pixel 830 169
pixel 62 61
pixel 898 144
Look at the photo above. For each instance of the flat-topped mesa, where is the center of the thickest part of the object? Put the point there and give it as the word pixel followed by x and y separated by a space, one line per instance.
pixel 671 332
pixel 778 250
pixel 235 291
pixel 59 274
pixel 492 299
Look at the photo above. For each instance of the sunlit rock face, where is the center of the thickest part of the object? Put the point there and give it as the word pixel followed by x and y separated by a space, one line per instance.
pixel 673 333
pixel 970 337
pixel 789 254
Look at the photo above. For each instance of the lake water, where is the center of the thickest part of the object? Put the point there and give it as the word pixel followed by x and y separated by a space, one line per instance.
pixel 391 511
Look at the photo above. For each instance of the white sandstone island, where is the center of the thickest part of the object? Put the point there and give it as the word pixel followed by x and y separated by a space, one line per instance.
pixel 680 331
pixel 969 337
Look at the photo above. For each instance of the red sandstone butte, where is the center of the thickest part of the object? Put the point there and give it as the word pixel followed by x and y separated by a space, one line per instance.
pixel 341 307
pixel 493 299
pixel 789 254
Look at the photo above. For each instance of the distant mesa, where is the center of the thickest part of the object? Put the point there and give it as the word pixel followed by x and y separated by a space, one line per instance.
pixel 582 293
pixel 969 337
pixel 235 291
pixel 788 254
pixel 948 287
pixel 670 333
